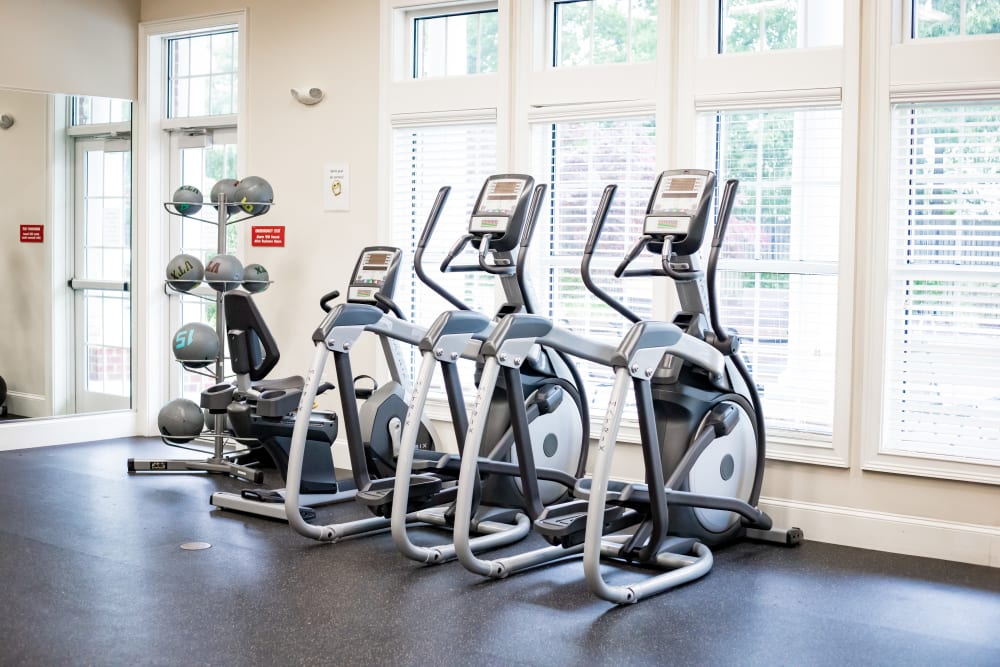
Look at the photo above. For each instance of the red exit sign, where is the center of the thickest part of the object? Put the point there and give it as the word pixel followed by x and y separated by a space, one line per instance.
pixel 267 237
pixel 32 233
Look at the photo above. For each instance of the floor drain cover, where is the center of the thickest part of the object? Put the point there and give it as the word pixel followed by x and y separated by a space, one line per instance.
pixel 195 546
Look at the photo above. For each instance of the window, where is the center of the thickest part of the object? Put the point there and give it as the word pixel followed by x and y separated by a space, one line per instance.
pixel 934 290
pixel 201 166
pixel 424 159
pixel 941 395
pixel 601 32
pixel 774 92
pixel 953 18
pixel 578 159
pixel 203 74
pixel 770 25
pixel 778 275
pixel 455 44
pixel 202 103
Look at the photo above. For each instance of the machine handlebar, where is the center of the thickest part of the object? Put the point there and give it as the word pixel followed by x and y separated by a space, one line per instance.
pixel 324 301
pixel 418 255
pixel 600 217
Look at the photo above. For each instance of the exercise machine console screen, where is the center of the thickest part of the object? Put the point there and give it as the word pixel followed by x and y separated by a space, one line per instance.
pixel 676 201
pixel 375 273
pixel 500 210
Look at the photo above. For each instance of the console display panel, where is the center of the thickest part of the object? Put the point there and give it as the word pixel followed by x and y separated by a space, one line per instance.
pixel 675 204
pixel 370 275
pixel 497 205
pixel 501 197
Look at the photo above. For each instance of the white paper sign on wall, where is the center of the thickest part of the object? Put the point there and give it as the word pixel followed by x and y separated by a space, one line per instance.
pixel 336 191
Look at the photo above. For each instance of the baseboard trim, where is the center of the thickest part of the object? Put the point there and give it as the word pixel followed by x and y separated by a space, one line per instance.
pixel 27 405
pixel 881 531
pixel 28 433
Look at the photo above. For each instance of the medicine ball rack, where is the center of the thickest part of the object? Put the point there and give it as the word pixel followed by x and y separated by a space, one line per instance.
pixel 221 462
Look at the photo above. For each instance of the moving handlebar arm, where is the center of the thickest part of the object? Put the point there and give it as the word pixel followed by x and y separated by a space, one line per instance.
pixel 642 348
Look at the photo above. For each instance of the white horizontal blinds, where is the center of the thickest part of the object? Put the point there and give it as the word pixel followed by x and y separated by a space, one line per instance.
pixel 778 273
pixel 424 159
pixel 942 393
pixel 578 159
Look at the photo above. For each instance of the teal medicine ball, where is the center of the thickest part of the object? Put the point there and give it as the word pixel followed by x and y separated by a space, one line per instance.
pixel 196 345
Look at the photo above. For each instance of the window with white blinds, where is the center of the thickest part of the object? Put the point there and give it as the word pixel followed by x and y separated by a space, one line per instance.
pixel 778 272
pixel 578 159
pixel 424 159
pixel 941 394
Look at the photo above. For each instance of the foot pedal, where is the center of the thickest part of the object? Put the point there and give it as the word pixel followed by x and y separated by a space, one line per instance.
pixel 263 496
pixel 378 496
pixel 565 525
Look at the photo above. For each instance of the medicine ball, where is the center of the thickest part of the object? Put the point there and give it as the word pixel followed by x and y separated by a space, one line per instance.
pixel 254 195
pixel 187 200
pixel 227 187
pixel 224 273
pixel 255 278
pixel 196 345
pixel 180 420
pixel 185 272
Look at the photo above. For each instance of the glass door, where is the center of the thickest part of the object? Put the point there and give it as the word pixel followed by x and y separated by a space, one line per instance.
pixel 102 249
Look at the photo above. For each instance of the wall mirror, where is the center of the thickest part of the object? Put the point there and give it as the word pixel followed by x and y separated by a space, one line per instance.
pixel 66 220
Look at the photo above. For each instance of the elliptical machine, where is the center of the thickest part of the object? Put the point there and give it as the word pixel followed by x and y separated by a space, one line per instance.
pixel 501 215
pixel 549 394
pixel 700 419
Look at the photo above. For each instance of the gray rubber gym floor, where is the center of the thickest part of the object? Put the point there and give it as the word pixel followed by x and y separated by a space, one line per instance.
pixel 93 574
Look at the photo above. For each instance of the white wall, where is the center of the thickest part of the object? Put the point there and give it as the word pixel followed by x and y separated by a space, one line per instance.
pixel 24 172
pixel 84 47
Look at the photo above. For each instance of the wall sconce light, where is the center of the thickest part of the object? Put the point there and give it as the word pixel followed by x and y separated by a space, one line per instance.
pixel 312 96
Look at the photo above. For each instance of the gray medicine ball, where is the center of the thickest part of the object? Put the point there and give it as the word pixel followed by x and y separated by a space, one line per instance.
pixel 185 272
pixel 180 420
